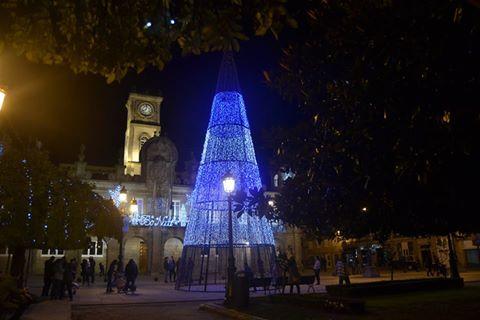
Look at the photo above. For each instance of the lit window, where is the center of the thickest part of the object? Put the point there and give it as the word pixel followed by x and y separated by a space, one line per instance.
pixel 94 248
pixel 52 252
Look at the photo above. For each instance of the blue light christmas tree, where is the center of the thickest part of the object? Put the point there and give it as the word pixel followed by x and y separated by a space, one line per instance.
pixel 228 147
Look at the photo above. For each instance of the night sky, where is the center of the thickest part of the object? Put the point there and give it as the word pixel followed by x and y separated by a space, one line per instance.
pixel 65 110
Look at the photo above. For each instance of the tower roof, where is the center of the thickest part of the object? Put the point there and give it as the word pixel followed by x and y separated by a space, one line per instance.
pixel 227 76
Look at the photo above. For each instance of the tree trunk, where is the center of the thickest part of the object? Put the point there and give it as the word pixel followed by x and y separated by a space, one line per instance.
pixel 452 258
pixel 18 264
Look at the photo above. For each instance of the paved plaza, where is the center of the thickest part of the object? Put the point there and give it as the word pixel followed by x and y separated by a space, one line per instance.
pixel 154 298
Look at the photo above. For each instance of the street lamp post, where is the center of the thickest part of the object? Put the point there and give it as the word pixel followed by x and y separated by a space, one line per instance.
pixel 123 200
pixel 229 187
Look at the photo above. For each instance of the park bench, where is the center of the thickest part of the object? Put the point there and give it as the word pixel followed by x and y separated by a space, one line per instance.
pixel 261 283
pixel 310 281
pixel 307 280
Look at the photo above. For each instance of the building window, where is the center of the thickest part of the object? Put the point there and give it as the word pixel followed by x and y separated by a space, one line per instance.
pixel 52 252
pixel 175 212
pixel 94 248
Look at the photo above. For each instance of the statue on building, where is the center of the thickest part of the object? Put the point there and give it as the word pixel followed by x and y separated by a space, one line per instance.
pixel 159 158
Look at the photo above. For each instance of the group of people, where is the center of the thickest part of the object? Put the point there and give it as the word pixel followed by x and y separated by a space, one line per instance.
pixel 170 268
pixel 88 271
pixel 123 279
pixel 58 277
pixel 435 267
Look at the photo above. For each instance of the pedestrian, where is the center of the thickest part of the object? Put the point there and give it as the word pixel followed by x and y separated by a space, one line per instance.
pixel 249 275
pixel 85 266
pixel 190 266
pixel 165 268
pixel 429 267
pixel 317 265
pixel 92 269
pixel 74 266
pixel 131 273
pixel 102 269
pixel 261 268
pixel 171 269
pixel 324 264
pixel 341 273
pixel 57 279
pixel 110 275
pixel 47 276
pixel 293 275
pixel 67 280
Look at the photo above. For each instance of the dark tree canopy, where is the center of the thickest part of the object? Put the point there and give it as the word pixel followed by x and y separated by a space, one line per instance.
pixel 110 37
pixel 388 91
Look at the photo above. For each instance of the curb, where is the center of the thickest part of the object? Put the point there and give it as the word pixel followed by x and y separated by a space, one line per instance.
pixel 230 313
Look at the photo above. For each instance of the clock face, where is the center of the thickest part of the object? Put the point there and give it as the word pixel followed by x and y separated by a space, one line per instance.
pixel 145 109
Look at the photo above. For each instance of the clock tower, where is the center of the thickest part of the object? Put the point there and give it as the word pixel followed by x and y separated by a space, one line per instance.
pixel 143 122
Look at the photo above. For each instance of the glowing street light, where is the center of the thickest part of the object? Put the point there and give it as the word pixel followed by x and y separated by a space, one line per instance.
pixel 123 195
pixel 228 183
pixel 229 187
pixel 271 203
pixel 133 207
pixel 3 94
pixel 364 209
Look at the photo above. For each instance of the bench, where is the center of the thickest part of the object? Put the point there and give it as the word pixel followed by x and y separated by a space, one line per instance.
pixel 260 283
pixel 308 280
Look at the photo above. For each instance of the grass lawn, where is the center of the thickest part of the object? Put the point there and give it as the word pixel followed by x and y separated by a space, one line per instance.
pixel 430 305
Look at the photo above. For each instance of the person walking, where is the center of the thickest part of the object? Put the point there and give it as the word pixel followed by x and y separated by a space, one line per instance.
pixel 91 274
pixel 341 273
pixel 429 267
pixel 85 266
pixel 190 266
pixel 102 270
pixel 165 268
pixel 171 269
pixel 131 273
pixel 317 265
pixel 47 276
pixel 110 275
pixel 261 267
pixel 74 266
pixel 57 279
pixel 67 281
pixel 324 264
pixel 293 275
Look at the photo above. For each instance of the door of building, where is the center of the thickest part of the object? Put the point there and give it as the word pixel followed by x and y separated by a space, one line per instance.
pixel 143 257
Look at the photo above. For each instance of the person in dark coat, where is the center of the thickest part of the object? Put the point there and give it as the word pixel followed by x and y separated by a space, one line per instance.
pixel 293 275
pixel 85 265
pixel 102 269
pixel 67 280
pixel 74 265
pixel 166 268
pixel 92 269
pixel 47 276
pixel 57 279
pixel 131 273
pixel 171 269
pixel 110 275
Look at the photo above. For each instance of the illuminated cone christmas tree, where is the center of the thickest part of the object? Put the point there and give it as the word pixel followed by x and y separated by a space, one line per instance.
pixel 228 147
